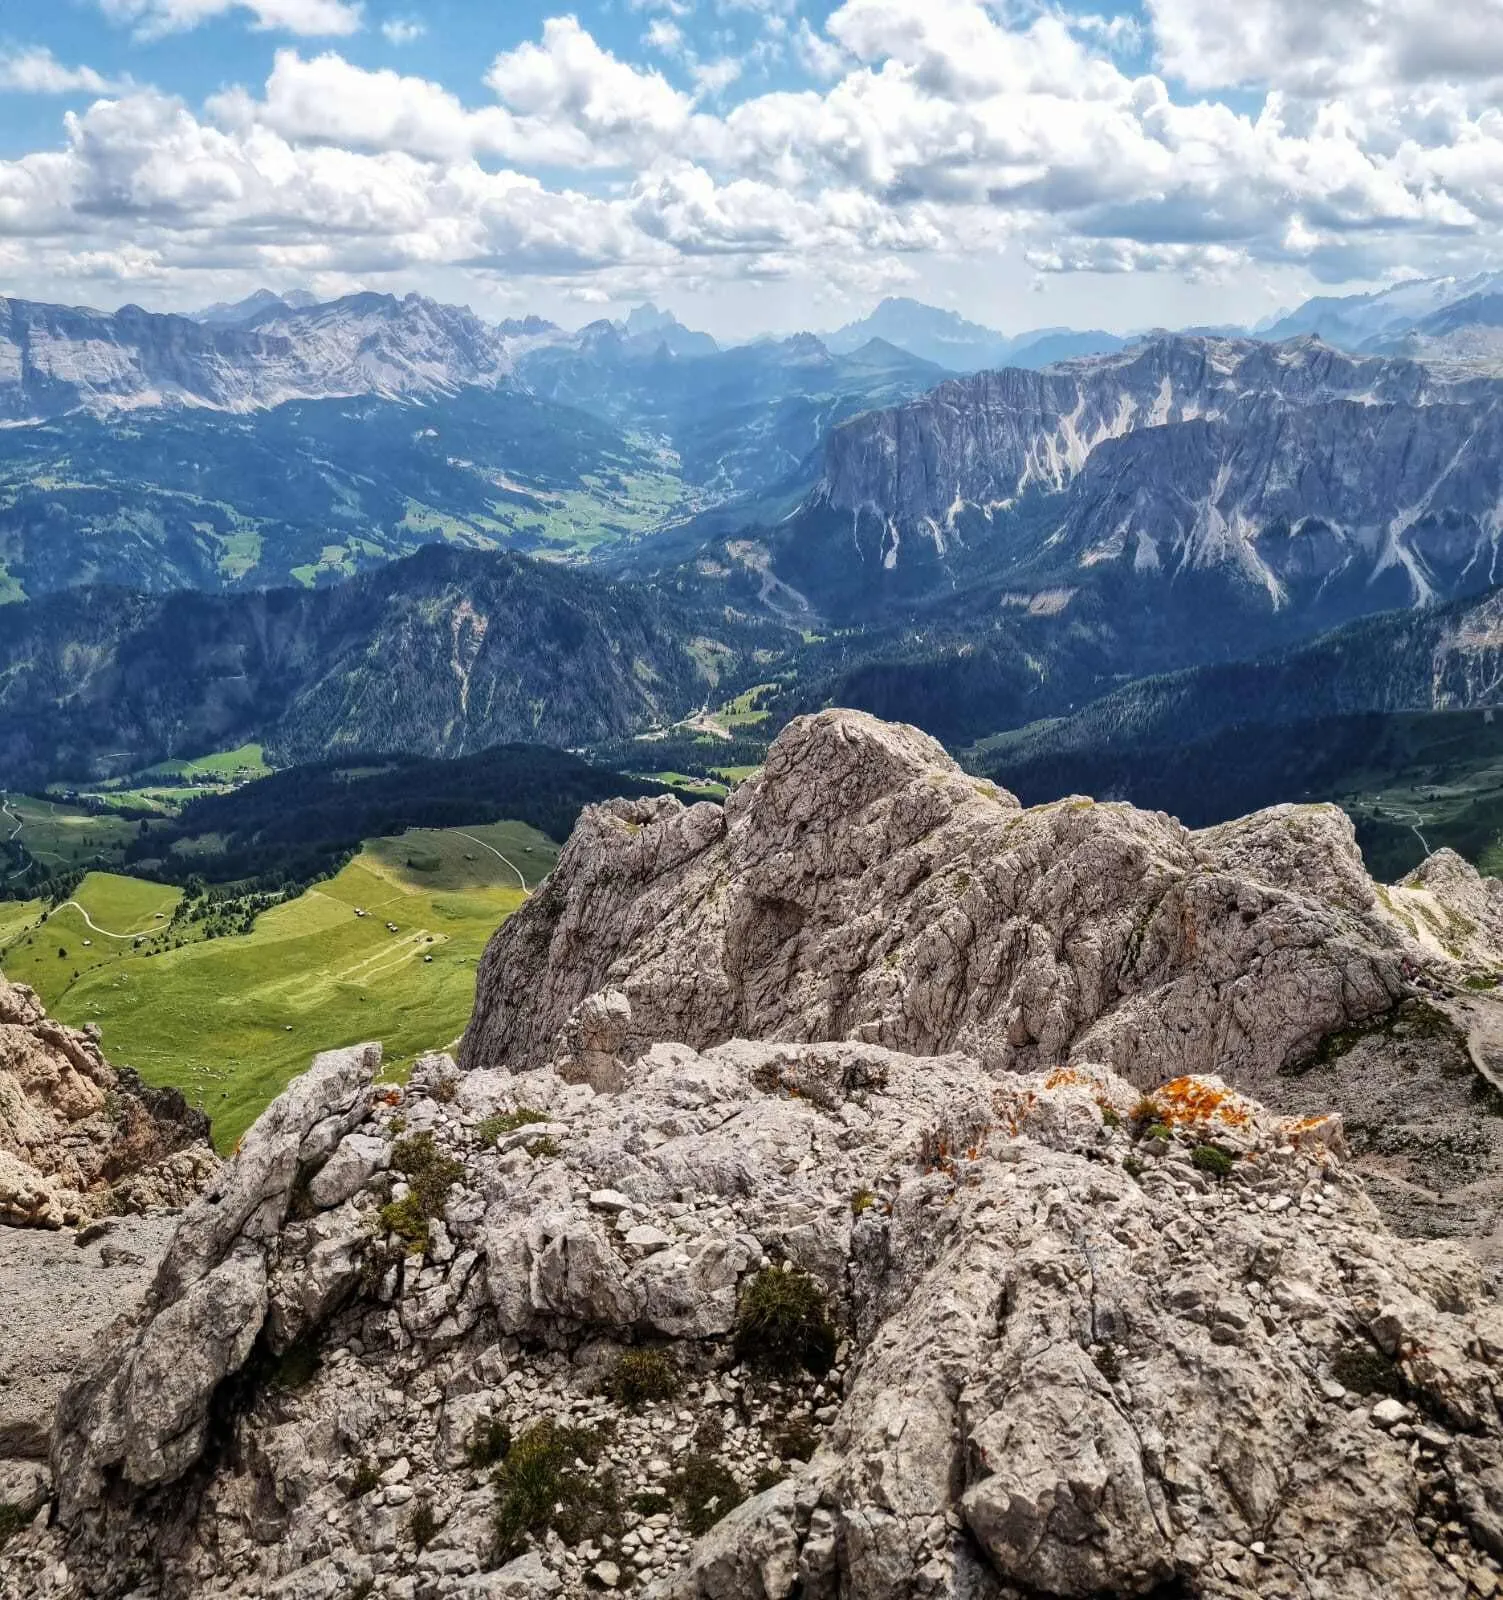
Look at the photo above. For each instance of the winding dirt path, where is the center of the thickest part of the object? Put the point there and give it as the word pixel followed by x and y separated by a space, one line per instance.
pixel 495 852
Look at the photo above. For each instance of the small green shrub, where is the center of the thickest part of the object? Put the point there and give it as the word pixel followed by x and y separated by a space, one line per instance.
pixel 1110 1117
pixel 1365 1369
pixel 1109 1363
pixel 862 1200
pixel 406 1219
pixel 768 1478
pixel 651 1503
pixel 1209 1158
pixel 710 1432
pixel 641 1376
pixel 489 1442
pixel 540 1485
pixel 705 1492
pixel 429 1172
pixel 492 1127
pixel 1158 1130
pixel 367 1477
pixel 422 1524
pixel 1132 1166
pixel 783 1323
pixel 543 1149
pixel 444 1091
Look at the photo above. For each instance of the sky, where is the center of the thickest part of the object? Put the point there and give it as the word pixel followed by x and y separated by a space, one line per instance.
pixel 753 165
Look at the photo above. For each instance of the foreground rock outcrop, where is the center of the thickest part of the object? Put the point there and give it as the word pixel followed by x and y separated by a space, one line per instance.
pixel 862 886
pixel 79 1138
pixel 1074 1356
pixel 845 1198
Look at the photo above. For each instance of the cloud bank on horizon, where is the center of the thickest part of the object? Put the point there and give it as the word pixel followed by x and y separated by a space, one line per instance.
pixel 763 157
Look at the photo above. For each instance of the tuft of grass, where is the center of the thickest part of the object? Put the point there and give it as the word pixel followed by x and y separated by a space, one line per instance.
pixel 489 1442
pixel 861 1201
pixel 544 1483
pixel 427 1169
pixel 430 1175
pixel 705 1492
pixel 1212 1159
pixel 1145 1115
pixel 405 1218
pixel 492 1127
pixel 543 1149
pixel 444 1091
pixel 639 1377
pixel 1132 1166
pixel 783 1323
pixel 1158 1130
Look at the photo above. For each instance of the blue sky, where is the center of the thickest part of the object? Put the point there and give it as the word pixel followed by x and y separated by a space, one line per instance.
pixel 754 164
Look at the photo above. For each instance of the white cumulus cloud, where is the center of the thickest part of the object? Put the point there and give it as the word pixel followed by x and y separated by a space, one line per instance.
pixel 38 71
pixel 152 18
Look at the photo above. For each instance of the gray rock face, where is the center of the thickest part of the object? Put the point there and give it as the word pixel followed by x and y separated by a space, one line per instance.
pixel 863 887
pixel 142 1416
pixel 1285 468
pixel 1072 1364
pixel 78 1138
pixel 55 359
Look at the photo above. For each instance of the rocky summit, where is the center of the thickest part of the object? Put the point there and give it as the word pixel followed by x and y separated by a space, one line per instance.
pixel 868 1189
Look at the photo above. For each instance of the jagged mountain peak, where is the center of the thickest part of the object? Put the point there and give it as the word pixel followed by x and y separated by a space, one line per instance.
pixel 1177 454
pixel 53 360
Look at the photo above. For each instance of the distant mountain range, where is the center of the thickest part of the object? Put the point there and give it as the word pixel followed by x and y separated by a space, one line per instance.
pixel 956 345
pixel 1434 319
pixel 58 359
pixel 445 652
pixel 1300 480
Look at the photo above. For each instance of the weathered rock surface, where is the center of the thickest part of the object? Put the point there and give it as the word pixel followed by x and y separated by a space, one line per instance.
pixel 1074 1362
pixel 79 1138
pixel 863 887
pixel 1104 1324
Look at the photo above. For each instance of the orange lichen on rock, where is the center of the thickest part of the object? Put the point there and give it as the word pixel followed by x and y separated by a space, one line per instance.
pixel 1184 1102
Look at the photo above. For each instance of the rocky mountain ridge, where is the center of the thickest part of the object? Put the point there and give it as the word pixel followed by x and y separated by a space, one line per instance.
pixel 822 1206
pixel 57 359
pixel 445 652
pixel 1293 475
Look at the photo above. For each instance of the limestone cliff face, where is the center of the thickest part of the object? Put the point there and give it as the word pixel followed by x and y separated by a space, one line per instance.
pixel 862 886
pixel 56 359
pixel 1292 470
pixel 78 1138
pixel 1079 1316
